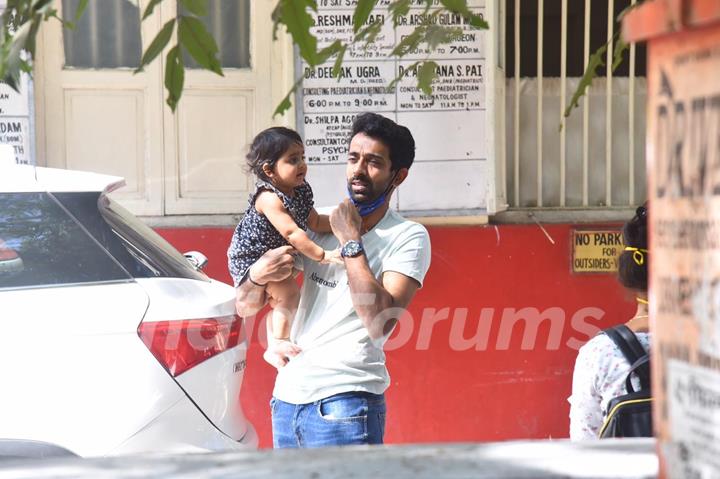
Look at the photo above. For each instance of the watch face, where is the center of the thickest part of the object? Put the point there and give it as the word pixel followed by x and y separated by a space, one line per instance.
pixel 351 249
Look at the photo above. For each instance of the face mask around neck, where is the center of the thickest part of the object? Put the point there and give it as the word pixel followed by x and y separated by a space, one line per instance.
pixel 365 209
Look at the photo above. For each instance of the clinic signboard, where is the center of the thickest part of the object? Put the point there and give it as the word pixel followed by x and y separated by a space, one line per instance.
pixel 449 125
pixel 15 121
pixel 683 145
pixel 16 117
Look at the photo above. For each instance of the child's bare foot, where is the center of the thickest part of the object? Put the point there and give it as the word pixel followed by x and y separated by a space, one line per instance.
pixel 280 353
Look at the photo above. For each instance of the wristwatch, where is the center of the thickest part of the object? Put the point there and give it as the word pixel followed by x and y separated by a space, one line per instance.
pixel 351 249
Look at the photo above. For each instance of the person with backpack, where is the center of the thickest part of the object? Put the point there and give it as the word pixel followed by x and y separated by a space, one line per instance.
pixel 611 380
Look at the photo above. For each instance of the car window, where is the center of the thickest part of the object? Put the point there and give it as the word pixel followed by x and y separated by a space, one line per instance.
pixel 84 207
pixel 42 245
pixel 148 243
pixel 133 244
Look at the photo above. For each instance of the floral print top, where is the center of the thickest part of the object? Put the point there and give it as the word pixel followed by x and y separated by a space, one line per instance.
pixel 255 235
pixel 599 376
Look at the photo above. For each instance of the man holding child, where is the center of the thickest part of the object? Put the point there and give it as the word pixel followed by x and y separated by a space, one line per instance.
pixel 332 391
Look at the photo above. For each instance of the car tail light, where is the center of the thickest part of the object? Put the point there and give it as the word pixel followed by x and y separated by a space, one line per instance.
pixel 182 344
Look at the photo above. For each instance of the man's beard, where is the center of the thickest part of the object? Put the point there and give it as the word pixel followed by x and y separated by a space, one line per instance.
pixel 369 192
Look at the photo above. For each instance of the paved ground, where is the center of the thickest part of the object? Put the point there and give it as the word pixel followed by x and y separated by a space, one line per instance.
pixel 525 459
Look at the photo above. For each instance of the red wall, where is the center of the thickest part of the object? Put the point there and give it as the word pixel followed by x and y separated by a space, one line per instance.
pixel 444 389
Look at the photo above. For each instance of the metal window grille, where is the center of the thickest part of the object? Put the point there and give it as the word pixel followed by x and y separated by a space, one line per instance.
pixel 597 158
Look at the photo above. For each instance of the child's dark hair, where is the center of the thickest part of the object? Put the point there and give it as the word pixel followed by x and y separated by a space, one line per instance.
pixel 397 138
pixel 633 264
pixel 267 148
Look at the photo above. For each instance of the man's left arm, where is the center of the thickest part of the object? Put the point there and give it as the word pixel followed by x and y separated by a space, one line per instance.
pixel 379 303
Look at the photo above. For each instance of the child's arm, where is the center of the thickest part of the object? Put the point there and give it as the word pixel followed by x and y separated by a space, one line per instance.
pixel 268 204
pixel 319 223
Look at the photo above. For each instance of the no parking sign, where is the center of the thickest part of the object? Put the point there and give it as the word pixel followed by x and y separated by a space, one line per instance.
pixel 596 251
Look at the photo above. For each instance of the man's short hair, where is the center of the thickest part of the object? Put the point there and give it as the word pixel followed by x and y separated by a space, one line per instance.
pixel 397 138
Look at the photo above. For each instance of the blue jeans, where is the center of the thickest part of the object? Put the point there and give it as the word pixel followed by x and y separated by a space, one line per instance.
pixel 339 420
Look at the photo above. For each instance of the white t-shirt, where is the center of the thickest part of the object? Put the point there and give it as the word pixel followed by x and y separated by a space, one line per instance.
pixel 337 353
pixel 599 376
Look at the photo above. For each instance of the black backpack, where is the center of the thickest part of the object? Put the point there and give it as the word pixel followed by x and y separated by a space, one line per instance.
pixel 630 414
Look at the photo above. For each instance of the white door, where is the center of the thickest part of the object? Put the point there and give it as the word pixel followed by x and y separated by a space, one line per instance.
pixel 94 114
pixel 207 139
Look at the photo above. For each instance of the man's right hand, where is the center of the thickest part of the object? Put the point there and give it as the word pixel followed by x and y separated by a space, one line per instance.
pixel 275 265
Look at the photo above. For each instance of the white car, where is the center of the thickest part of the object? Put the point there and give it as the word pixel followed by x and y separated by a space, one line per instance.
pixel 111 341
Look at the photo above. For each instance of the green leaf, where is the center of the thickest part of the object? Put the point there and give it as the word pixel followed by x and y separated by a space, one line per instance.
pixel 25 67
pixel 158 44
pixel 330 50
pixel 31 42
pixel 390 88
pixel 49 13
pixel 196 7
pixel 426 74
pixel 82 6
pixel 198 42
pixel 461 7
pixel 12 59
pixel 174 76
pixel 594 62
pixel 37 5
pixel 620 48
pixel 477 21
pixel 149 9
pixel 339 61
pixel 628 9
pixel 53 14
pixel 362 13
pixel 298 22
pixel 439 35
pixel 398 9
pixel 368 34
pixel 286 103
pixel 410 42
pixel 457 6
pixel 276 17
